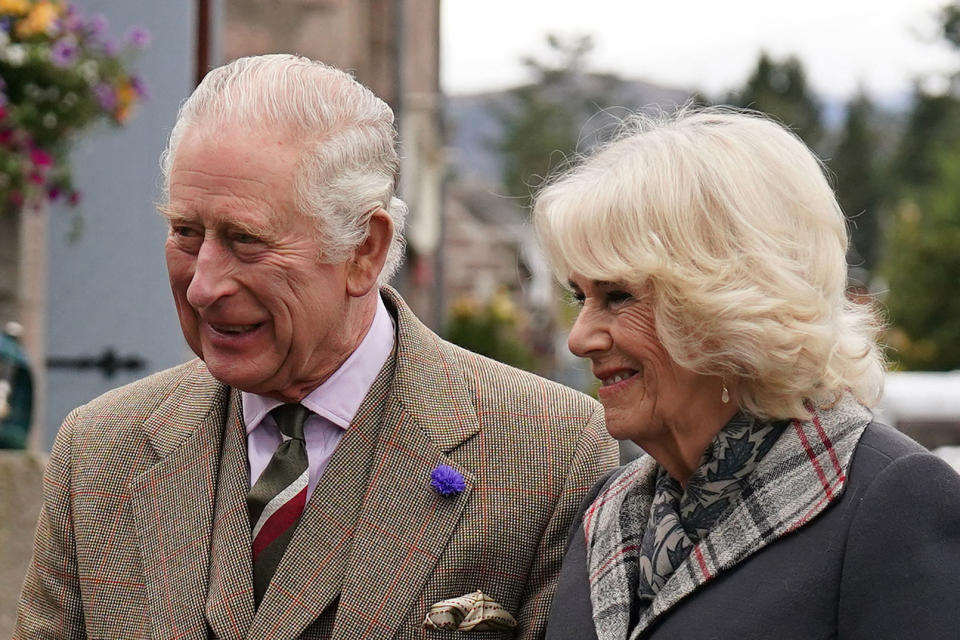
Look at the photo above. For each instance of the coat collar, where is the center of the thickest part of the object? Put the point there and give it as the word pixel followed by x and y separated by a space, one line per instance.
pixel 804 472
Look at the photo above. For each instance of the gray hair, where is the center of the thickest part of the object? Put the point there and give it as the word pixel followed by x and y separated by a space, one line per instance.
pixel 350 161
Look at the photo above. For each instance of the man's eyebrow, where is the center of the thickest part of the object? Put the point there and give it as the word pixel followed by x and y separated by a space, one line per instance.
pixel 165 210
pixel 264 232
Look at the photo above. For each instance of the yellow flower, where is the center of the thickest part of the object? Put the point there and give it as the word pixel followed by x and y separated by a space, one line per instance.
pixel 41 19
pixel 14 7
pixel 126 95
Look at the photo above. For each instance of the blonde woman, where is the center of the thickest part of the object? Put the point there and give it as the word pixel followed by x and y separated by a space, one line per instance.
pixel 707 253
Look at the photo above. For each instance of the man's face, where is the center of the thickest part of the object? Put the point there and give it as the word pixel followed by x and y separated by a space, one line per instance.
pixel 254 301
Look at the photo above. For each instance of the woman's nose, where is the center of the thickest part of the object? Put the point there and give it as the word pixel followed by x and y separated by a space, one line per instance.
pixel 588 335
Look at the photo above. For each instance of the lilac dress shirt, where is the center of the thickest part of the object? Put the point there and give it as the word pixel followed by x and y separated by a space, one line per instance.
pixel 333 404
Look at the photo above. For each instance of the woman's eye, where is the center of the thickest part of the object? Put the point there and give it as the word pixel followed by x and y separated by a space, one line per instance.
pixel 618 297
pixel 575 298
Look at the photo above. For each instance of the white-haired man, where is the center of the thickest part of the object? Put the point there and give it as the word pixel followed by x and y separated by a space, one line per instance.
pixel 327 467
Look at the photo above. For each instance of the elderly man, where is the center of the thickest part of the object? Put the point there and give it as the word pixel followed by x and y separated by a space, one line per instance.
pixel 328 467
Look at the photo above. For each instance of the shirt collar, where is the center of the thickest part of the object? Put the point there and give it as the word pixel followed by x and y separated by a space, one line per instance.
pixel 340 395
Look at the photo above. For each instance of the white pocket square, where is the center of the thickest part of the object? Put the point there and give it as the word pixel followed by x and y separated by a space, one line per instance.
pixel 471 612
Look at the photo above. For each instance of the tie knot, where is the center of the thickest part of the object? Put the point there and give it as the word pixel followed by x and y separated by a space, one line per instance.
pixel 290 419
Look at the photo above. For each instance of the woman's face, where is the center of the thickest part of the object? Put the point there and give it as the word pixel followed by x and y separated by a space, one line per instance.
pixel 647 397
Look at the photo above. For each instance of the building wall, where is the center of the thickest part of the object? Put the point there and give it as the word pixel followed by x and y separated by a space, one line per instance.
pixel 107 289
pixel 392 47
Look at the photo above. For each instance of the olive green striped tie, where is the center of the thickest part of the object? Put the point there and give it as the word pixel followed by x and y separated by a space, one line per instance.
pixel 278 497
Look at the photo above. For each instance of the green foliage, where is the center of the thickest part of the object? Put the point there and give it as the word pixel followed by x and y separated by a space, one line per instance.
pixel 932 128
pixel 950 23
pixel 542 122
pixel 922 248
pixel 493 329
pixel 922 266
pixel 780 89
pixel 859 187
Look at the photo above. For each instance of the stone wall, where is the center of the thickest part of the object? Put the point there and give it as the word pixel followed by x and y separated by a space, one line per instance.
pixel 21 480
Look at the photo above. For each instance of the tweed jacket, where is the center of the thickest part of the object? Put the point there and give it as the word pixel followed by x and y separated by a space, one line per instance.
pixel 872 552
pixel 144 531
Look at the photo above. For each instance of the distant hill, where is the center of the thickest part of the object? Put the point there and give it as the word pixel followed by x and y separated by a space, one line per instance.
pixel 473 127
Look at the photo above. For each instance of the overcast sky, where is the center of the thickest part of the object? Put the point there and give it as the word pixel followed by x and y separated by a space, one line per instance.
pixel 710 45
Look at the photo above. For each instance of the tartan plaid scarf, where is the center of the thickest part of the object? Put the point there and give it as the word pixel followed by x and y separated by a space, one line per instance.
pixel 649 543
pixel 679 518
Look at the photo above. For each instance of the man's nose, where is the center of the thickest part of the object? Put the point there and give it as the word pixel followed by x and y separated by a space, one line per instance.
pixel 212 278
pixel 588 335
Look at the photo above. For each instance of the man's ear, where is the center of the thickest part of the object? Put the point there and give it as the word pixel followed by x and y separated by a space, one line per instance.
pixel 365 266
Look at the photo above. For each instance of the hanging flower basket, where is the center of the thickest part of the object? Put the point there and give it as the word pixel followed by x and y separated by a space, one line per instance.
pixel 60 74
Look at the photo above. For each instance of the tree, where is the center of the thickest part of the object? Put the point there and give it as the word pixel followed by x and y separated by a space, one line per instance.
pixel 921 266
pixel 855 166
pixel 932 128
pixel 922 249
pixel 543 120
pixel 780 89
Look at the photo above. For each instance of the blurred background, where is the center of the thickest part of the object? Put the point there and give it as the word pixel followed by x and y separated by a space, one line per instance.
pixel 490 97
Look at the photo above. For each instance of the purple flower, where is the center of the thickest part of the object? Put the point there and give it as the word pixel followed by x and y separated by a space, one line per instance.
pixel 447 481
pixel 105 96
pixel 108 46
pixel 64 52
pixel 139 37
pixel 5 24
pixel 97 24
pixel 140 87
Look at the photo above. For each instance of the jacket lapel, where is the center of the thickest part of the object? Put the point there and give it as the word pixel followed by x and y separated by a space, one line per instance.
pixel 172 503
pixel 229 596
pixel 404 524
pixel 804 472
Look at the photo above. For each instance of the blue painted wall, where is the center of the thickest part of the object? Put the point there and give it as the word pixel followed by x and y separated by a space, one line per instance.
pixel 109 287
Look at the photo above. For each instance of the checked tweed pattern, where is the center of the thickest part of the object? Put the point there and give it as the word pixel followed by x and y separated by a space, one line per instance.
pixel 145 531
pixel 277 499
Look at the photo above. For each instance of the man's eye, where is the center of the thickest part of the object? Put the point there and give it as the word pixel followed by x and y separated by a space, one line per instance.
pixel 245 238
pixel 184 231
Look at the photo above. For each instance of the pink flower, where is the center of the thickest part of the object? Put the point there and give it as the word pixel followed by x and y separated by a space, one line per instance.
pixel 41 158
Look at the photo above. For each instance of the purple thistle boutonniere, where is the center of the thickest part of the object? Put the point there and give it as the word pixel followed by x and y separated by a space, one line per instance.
pixel 447 481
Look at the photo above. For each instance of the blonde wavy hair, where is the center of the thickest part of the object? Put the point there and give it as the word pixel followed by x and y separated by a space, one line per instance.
pixel 728 219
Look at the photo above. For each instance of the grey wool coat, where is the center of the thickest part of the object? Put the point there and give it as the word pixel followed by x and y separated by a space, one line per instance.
pixel 145 534
pixel 879 559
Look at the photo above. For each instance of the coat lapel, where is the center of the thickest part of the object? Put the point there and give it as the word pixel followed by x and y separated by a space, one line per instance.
pixel 804 472
pixel 404 524
pixel 229 597
pixel 172 503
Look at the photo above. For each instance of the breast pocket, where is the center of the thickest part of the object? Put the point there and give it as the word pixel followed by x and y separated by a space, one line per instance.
pixel 432 634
